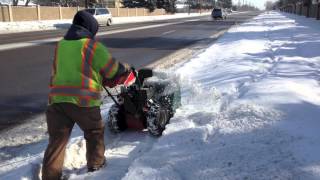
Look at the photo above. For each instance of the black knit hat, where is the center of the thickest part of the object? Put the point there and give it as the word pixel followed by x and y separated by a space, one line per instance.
pixel 87 21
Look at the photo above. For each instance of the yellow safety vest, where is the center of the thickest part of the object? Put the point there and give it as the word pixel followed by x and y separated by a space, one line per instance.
pixel 78 70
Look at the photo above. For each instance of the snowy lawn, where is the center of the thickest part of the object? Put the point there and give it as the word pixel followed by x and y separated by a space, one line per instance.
pixel 250 110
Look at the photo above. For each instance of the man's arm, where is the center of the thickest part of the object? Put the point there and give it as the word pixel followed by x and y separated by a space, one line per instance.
pixel 112 71
pixel 122 75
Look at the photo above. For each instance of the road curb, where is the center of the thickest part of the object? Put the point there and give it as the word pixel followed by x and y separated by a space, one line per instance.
pixel 185 54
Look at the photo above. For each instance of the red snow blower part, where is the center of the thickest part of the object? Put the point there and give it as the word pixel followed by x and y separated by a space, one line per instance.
pixel 148 103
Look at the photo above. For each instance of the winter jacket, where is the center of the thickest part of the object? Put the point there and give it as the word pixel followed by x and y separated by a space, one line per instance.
pixel 82 65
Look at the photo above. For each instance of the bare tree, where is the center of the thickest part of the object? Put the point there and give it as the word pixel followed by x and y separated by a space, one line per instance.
pixel 15 2
pixel 307 3
pixel 27 2
pixel 269 5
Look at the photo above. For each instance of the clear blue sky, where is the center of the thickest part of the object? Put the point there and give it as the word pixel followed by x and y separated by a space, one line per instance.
pixel 257 3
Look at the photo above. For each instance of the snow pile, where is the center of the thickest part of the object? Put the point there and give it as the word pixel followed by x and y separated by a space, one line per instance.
pixel 28 133
pixel 75 154
pixel 250 108
pixel 11 27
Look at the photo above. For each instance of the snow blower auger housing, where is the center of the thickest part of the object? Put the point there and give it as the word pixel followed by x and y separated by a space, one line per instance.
pixel 147 104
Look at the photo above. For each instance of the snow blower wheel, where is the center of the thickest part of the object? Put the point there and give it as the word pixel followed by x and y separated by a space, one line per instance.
pixel 116 119
pixel 157 119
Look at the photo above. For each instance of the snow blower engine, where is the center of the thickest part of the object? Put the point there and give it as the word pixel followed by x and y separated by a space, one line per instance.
pixel 149 103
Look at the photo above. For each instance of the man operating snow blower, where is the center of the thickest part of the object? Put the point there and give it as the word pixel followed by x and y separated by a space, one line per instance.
pixel 81 67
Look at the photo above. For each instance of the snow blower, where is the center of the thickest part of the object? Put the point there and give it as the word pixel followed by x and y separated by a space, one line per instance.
pixel 147 104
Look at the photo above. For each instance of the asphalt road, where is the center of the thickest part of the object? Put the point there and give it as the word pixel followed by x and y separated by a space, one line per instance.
pixel 25 71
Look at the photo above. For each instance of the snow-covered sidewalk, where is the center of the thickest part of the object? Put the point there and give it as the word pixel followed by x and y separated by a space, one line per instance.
pixel 251 107
pixel 12 27
pixel 250 110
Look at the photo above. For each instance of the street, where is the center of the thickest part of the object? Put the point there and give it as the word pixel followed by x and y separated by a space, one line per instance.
pixel 25 71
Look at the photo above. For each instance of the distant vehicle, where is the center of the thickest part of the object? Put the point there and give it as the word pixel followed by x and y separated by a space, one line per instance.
pixel 102 15
pixel 229 11
pixel 218 13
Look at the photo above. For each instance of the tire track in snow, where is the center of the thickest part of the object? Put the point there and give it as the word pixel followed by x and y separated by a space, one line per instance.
pixel 241 88
pixel 259 75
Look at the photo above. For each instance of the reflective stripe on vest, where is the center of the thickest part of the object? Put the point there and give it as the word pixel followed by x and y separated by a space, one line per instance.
pixel 88 52
pixel 84 91
pixel 107 69
pixel 69 91
pixel 54 64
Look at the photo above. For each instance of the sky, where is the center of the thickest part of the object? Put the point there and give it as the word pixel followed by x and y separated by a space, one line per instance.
pixel 257 3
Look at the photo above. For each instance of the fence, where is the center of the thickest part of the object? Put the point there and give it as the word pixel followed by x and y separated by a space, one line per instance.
pixel 309 11
pixel 17 13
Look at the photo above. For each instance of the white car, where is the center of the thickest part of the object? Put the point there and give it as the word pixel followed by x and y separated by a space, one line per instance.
pixel 102 15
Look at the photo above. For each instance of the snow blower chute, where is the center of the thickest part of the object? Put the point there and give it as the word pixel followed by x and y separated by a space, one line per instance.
pixel 147 104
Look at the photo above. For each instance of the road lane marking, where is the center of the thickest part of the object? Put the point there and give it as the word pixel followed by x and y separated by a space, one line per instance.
pixel 191 20
pixel 168 32
pixel 23 39
pixel 5 47
pixel 10 46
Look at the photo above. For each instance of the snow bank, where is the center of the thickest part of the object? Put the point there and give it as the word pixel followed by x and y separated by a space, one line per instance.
pixel 250 108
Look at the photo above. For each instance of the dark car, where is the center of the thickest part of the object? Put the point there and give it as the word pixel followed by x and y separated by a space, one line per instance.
pixel 218 13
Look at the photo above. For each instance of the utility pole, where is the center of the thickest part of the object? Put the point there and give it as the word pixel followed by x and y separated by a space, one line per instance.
pixel 318 11
pixel 309 2
pixel 189 4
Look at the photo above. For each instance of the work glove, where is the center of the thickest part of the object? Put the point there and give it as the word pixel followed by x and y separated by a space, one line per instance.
pixel 127 78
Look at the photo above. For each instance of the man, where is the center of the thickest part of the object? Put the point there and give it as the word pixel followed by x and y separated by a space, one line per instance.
pixel 81 67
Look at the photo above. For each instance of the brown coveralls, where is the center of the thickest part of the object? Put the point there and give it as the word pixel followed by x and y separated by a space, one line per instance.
pixel 61 118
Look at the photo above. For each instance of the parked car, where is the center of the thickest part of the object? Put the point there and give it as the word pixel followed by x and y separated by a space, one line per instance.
pixel 102 15
pixel 218 13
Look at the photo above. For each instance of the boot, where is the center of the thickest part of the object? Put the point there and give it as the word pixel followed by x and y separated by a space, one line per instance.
pixel 92 169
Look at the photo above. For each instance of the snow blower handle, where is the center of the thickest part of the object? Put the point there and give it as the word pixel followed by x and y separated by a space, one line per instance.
pixel 141 75
pixel 131 79
pixel 109 94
